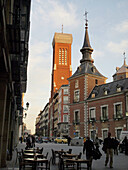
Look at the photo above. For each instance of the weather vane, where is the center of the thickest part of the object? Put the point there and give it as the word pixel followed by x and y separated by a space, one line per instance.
pixel 124 56
pixel 86 18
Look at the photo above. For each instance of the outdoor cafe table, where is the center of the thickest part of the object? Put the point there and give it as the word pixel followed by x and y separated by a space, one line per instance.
pixel 79 162
pixel 69 155
pixel 35 162
pixel 31 155
pixel 31 151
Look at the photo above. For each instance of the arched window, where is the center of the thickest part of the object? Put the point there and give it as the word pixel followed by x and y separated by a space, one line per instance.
pixel 65 56
pixel 60 56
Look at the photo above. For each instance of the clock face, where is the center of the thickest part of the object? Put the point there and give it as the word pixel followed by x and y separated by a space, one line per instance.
pixel 62 78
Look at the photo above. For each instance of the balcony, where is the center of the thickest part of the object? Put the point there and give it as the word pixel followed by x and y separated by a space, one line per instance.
pixel 76 122
pixel 91 120
pixel 104 119
pixel 117 116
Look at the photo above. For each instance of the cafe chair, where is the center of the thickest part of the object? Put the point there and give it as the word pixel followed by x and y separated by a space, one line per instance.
pixel 45 156
pixel 69 151
pixel 79 156
pixel 53 157
pixel 18 154
pixel 24 165
pixel 45 165
pixel 65 165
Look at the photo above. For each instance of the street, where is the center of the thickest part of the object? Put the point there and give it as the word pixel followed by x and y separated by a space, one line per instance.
pixel 120 161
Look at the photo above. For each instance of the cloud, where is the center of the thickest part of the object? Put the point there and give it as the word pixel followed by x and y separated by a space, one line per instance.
pixel 118 47
pixel 56 13
pixel 122 27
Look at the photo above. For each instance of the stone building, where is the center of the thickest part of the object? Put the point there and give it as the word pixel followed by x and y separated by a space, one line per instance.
pixel 14 37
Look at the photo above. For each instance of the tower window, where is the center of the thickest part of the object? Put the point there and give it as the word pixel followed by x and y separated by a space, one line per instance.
pixel 60 56
pixel 96 81
pixel 63 56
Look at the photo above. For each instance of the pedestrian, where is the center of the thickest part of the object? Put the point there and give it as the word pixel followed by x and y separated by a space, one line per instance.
pixel 88 146
pixel 33 141
pixel 108 145
pixel 69 140
pixel 116 143
pixel 97 143
pixel 125 142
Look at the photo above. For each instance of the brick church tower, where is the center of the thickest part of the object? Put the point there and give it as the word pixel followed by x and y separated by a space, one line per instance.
pixel 81 84
pixel 61 69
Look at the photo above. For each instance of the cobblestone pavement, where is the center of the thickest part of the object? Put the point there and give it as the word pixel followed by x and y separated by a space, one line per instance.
pixel 120 161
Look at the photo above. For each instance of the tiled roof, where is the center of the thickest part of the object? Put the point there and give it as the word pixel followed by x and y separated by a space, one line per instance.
pixel 111 88
pixel 86 68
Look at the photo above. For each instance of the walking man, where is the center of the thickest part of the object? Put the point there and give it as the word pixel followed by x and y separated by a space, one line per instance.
pixel 108 144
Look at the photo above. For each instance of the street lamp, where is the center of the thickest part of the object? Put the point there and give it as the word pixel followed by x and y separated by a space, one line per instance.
pixel 27 106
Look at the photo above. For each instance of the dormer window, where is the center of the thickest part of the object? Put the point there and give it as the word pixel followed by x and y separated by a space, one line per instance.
pixel 93 95
pixel 105 92
pixel 93 69
pixel 118 89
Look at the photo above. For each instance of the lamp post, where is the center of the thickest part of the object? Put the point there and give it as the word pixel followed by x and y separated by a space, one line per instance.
pixel 24 115
pixel 25 109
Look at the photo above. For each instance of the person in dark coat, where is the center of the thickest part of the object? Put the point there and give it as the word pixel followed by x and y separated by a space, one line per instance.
pixel 116 143
pixel 109 145
pixel 69 140
pixel 88 146
pixel 125 142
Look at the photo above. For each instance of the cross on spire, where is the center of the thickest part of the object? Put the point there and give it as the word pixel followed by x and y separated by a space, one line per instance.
pixel 124 55
pixel 86 24
pixel 124 58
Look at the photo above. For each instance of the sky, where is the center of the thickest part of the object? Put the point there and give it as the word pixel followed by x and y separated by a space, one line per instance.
pixel 108 34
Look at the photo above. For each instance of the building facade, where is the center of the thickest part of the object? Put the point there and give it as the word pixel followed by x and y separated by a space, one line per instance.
pixel 81 83
pixel 14 37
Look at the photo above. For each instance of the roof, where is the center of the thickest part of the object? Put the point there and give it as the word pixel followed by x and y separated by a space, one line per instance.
pixel 123 69
pixel 111 88
pixel 86 68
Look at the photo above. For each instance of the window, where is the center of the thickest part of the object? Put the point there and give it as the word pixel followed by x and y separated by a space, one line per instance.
pixel 92 112
pixel 76 96
pixel 118 132
pixel 93 95
pixel 104 112
pixel 118 89
pixel 76 116
pixel 65 91
pixel 76 83
pixel 65 118
pixel 105 92
pixel 60 56
pixel 65 108
pixel 65 99
pixel 96 82
pixel 105 134
pixel 117 110
pixel 65 56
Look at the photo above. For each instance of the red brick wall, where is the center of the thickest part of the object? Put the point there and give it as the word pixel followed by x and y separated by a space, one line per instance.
pixel 111 124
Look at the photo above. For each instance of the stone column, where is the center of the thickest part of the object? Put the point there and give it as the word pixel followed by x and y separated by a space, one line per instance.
pixel 3 97
pixel 6 132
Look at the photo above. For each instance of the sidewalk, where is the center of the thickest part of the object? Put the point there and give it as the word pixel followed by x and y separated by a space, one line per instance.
pixel 13 164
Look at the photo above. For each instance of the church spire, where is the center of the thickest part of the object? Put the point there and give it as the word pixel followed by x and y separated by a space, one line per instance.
pixel 86 49
pixel 86 38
